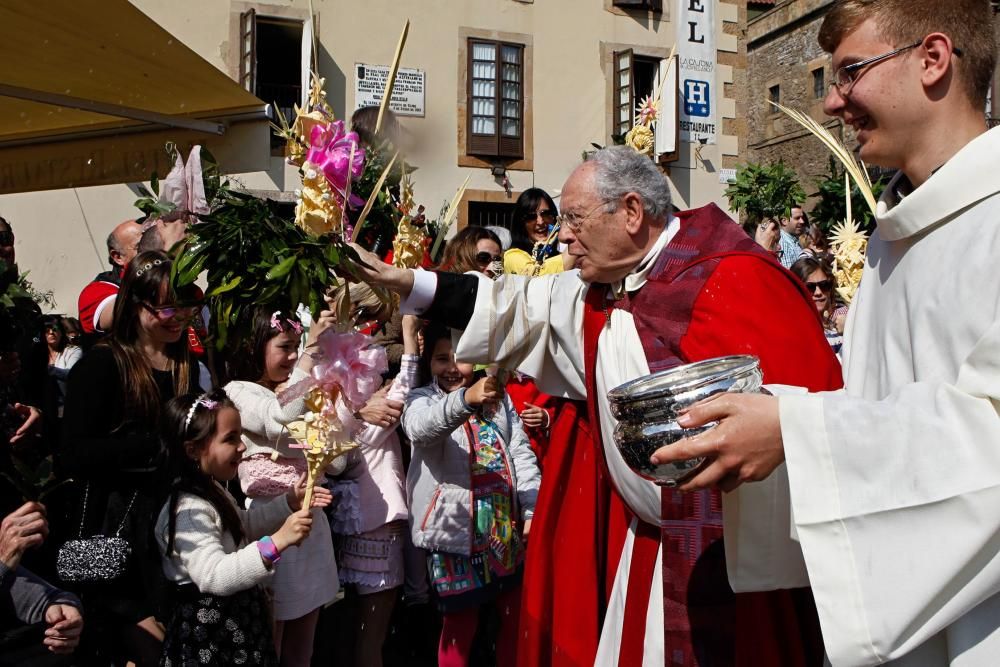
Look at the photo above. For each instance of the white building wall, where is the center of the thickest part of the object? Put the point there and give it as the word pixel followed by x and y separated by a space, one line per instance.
pixel 569 101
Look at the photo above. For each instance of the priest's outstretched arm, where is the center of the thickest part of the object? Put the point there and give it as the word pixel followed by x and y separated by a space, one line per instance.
pixel 534 326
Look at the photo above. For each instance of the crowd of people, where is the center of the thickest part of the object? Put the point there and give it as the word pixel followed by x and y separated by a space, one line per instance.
pixel 804 249
pixel 154 495
pixel 188 458
pixel 202 479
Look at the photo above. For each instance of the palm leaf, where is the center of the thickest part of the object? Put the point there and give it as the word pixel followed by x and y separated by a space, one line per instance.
pixel 856 170
pixel 391 79
pixel 372 198
pixel 445 223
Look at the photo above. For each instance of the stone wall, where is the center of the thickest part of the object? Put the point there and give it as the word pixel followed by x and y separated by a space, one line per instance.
pixel 782 51
pixel 737 90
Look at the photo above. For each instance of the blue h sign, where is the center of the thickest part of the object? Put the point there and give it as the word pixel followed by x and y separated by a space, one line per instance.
pixel 696 100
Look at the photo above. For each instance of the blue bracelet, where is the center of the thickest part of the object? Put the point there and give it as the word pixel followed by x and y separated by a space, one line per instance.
pixel 267 550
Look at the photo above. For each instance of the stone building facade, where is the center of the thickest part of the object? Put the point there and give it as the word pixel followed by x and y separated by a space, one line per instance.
pixel 562 77
pixel 787 65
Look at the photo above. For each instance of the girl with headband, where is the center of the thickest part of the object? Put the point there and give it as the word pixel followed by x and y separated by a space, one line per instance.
pixel 215 554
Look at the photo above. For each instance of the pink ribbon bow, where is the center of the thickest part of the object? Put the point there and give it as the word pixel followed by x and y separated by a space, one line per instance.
pixel 330 152
pixel 351 362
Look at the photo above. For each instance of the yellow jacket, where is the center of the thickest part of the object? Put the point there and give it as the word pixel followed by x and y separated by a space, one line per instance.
pixel 520 263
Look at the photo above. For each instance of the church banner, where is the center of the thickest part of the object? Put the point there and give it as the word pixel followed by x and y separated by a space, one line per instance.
pixel 697 54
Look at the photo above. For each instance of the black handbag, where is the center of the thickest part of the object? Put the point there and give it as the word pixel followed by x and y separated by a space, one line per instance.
pixel 100 558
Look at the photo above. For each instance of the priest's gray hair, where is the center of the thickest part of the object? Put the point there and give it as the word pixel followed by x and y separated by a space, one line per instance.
pixel 620 170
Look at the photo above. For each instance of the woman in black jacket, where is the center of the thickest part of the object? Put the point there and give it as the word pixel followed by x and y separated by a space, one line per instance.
pixel 111 449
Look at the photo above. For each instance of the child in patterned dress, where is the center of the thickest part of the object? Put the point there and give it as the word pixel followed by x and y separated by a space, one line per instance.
pixel 472 485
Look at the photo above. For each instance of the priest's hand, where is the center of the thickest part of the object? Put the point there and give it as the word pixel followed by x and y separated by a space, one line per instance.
pixel 745 446
pixel 376 272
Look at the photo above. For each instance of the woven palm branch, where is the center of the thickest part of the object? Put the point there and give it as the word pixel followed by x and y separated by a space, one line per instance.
pixel 856 169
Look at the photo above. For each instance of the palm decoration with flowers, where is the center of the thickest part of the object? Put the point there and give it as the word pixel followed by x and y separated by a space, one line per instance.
pixel 254 256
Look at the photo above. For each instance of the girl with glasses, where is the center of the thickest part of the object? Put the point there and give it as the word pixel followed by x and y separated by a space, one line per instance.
pixel 111 447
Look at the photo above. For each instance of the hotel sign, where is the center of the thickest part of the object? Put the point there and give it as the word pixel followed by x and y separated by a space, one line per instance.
pixel 697 55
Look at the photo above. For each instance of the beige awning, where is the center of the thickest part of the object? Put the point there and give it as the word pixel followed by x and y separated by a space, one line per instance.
pixel 91 91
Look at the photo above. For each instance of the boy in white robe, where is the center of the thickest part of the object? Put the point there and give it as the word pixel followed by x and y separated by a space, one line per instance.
pixel 895 483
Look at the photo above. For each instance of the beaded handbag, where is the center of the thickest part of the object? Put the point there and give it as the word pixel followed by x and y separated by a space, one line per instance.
pixel 95 559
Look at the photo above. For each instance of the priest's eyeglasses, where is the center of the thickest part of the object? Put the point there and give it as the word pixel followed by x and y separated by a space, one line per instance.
pixel 845 77
pixel 574 221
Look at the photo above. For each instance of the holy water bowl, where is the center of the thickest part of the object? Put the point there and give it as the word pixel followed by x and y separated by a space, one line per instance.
pixel 647 409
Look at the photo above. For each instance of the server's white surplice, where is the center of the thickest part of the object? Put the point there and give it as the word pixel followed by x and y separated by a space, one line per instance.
pixel 895 482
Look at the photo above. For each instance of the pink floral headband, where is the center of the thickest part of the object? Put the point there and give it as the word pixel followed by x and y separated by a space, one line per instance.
pixel 277 325
pixel 203 401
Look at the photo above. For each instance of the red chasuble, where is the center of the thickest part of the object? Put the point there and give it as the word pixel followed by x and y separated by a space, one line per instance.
pixel 713 292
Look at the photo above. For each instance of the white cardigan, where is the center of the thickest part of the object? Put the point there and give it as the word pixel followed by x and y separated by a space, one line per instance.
pixel 264 419
pixel 206 555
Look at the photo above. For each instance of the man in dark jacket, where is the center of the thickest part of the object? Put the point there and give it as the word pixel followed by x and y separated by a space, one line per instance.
pixel 39 624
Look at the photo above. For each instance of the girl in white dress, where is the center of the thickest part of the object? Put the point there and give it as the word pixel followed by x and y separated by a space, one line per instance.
pixel 268 359
pixel 214 553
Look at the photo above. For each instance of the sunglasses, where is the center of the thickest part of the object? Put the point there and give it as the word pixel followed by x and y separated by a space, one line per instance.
pixel 167 313
pixel 6 238
pixel 485 258
pixel 823 285
pixel 547 215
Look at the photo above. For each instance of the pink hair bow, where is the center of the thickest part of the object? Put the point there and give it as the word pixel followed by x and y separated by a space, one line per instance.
pixel 184 186
pixel 330 152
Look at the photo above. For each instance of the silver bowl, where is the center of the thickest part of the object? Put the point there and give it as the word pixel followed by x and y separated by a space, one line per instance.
pixel 647 409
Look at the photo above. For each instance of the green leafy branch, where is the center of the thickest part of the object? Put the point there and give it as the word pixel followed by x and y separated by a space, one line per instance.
pixel 253 256
pixel 764 192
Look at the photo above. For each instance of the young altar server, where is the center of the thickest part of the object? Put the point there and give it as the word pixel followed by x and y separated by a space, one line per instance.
pixel 895 482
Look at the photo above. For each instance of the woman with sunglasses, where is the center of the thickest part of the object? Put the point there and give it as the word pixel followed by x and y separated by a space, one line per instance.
pixel 112 449
pixel 534 249
pixel 62 354
pixel 473 249
pixel 818 278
